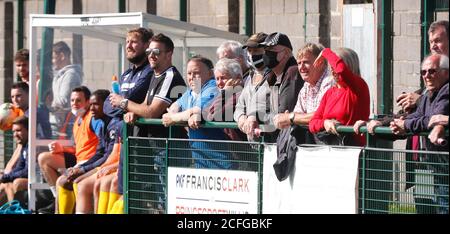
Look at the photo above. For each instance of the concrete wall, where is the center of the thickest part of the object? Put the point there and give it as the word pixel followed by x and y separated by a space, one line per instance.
pixel 287 16
pixel 406 46
pixel 336 27
pixel 270 16
pixel 212 13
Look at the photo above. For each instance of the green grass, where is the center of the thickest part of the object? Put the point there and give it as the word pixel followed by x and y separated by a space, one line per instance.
pixel 401 208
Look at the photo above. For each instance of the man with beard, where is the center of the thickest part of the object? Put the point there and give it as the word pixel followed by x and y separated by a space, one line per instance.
pixel 165 87
pixel 134 84
pixel 17 179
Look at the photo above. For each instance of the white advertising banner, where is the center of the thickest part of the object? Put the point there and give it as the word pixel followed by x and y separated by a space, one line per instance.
pixel 324 181
pixel 210 191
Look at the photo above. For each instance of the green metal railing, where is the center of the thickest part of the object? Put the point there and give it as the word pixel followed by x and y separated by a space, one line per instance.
pixel 390 181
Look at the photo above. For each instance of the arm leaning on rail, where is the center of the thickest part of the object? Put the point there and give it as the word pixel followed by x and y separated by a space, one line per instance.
pixel 340 129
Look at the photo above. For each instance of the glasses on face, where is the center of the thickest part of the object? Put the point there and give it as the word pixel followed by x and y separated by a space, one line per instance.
pixel 154 51
pixel 430 72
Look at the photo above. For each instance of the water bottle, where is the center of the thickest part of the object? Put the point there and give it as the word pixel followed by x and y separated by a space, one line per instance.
pixel 115 85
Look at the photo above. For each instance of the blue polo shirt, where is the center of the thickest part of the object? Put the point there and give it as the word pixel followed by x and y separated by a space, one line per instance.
pixel 206 154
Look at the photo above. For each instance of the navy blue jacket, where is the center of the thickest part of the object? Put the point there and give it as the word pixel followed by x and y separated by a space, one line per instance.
pixel 430 104
pixel 134 84
pixel 20 170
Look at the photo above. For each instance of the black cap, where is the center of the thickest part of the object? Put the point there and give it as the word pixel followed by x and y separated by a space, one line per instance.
pixel 254 40
pixel 277 38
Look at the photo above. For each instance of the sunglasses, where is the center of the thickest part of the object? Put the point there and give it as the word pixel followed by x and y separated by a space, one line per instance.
pixel 155 51
pixel 429 71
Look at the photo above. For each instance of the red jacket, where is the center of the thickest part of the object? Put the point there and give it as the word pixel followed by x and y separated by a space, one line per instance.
pixel 347 104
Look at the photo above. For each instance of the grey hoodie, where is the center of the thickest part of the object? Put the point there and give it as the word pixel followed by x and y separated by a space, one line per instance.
pixel 64 81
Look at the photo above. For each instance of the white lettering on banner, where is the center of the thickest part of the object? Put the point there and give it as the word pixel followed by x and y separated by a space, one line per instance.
pixel 210 191
pixel 212 183
pixel 324 180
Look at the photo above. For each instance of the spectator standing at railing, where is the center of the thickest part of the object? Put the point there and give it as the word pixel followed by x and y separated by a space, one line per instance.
pixel 189 108
pixel 253 106
pixel 278 57
pixel 437 134
pixel 344 103
pixel 438 39
pixel 436 101
pixel 229 81
pixel 134 84
pixel 317 81
pixel 165 87
pixel 235 50
pixel 286 83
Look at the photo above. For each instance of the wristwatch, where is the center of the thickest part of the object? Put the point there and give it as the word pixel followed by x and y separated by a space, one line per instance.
pixel 124 104
pixel 291 117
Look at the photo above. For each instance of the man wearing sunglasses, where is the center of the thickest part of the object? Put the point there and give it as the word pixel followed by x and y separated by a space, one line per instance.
pixel 438 39
pixel 435 101
pixel 166 85
pixel 434 73
pixel 133 84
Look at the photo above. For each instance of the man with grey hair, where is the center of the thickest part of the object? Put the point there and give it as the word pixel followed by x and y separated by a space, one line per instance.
pixel 438 39
pixel 228 75
pixel 233 50
pixel 317 81
pixel 435 76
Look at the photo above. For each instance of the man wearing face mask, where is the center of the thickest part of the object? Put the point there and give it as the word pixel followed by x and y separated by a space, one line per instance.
pixel 287 84
pixel 86 134
pixel 253 105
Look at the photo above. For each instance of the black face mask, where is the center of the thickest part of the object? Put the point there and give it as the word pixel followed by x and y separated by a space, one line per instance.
pixel 270 59
pixel 256 61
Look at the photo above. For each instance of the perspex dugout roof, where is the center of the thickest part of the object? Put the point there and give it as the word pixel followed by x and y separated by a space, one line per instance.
pixel 110 27
pixel 113 27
